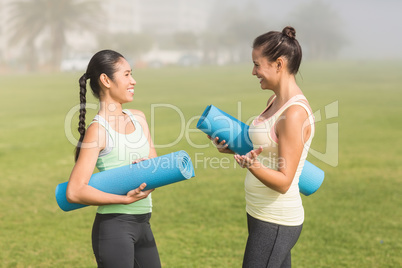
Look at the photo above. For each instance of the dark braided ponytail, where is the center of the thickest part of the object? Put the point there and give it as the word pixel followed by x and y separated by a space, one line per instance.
pixel 83 111
pixel 103 62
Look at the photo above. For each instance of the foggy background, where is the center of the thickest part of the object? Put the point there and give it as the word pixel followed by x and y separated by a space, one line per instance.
pixel 48 35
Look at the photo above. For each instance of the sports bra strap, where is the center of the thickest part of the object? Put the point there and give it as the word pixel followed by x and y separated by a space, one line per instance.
pixel 136 123
pixel 101 121
pixel 109 140
pixel 296 100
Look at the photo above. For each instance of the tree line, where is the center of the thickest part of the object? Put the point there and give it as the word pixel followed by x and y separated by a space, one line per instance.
pixel 42 25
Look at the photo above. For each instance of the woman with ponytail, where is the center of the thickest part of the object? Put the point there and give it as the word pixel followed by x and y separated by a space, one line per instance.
pixel 281 137
pixel 121 234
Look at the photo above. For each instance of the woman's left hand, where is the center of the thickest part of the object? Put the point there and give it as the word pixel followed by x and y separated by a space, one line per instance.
pixel 248 160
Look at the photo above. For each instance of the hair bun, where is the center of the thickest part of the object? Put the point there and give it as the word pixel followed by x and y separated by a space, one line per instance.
pixel 289 31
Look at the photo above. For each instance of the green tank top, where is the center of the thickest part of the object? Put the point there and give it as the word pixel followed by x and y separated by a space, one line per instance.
pixel 121 150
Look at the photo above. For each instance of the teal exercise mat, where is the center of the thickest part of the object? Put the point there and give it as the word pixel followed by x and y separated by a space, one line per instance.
pixel 155 172
pixel 310 179
pixel 217 123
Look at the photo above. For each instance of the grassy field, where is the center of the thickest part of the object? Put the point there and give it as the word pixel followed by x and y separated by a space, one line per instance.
pixel 354 220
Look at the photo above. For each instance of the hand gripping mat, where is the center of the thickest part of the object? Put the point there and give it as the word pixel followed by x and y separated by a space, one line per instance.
pixel 155 172
pixel 217 123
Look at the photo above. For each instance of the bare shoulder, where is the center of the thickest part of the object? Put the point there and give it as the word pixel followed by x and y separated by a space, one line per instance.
pixel 295 112
pixel 140 116
pixel 95 128
pixel 137 113
pixel 96 133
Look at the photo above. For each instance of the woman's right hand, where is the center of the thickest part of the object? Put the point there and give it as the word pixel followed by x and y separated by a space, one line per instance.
pixel 138 194
pixel 222 146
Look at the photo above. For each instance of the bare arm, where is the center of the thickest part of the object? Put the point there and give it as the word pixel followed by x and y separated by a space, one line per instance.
pixel 78 190
pixel 290 131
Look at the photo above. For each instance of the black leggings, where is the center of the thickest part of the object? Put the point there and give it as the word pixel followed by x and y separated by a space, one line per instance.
pixel 269 244
pixel 124 240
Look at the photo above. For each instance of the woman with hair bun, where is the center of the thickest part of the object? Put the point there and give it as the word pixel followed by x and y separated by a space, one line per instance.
pixel 121 234
pixel 281 137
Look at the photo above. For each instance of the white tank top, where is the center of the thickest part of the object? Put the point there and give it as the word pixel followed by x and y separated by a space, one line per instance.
pixel 262 202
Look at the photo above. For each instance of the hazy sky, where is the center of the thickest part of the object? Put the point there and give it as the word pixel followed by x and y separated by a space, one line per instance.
pixel 373 27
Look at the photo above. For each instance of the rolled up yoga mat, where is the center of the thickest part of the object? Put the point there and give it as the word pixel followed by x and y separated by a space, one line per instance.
pixel 155 172
pixel 310 179
pixel 217 123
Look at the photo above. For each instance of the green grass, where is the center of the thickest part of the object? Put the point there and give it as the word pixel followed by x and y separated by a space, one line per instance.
pixel 352 221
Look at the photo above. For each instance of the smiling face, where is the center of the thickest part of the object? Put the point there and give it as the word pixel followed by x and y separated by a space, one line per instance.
pixel 122 86
pixel 266 72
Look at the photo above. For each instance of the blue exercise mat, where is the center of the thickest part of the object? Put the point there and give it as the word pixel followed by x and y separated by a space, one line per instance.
pixel 217 123
pixel 310 179
pixel 155 172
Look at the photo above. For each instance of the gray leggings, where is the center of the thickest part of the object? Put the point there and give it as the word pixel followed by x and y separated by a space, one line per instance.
pixel 269 244
pixel 124 240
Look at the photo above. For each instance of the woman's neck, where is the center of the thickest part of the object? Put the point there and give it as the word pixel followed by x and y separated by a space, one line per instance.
pixel 287 89
pixel 109 108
